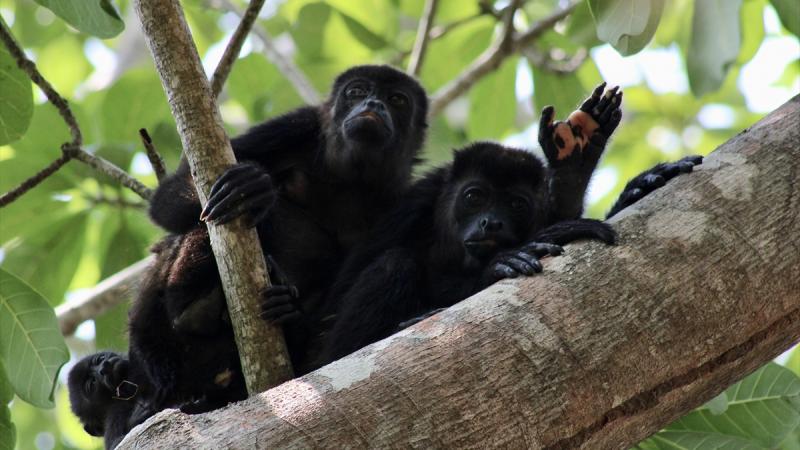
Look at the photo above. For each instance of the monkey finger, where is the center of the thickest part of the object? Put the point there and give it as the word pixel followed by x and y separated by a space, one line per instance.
pixel 521 264
pixel 231 194
pixel 277 311
pixel 613 122
pixel 281 317
pixel 591 102
pixel 238 173
pixel 612 105
pixel 503 271
pixel 653 181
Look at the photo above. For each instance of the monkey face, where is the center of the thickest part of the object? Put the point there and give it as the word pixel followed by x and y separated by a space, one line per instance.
pixel 491 219
pixel 93 383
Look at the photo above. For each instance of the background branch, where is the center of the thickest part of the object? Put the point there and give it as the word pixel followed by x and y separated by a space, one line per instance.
pixel 423 35
pixel 491 59
pixel 609 345
pixel 234 46
pixel 285 65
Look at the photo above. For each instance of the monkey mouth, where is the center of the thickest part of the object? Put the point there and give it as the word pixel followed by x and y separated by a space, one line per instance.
pixel 480 246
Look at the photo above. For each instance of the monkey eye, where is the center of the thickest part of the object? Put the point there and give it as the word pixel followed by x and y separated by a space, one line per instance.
pixel 90 385
pixel 356 91
pixel 475 197
pixel 398 99
pixel 519 204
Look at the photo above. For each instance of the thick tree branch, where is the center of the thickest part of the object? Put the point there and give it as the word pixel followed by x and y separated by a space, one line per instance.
pixel 235 46
pixel 107 294
pixel 488 61
pixel 206 147
pixel 606 347
pixel 423 36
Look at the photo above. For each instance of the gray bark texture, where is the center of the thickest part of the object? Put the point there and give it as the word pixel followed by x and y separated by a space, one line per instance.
pixel 604 348
pixel 265 361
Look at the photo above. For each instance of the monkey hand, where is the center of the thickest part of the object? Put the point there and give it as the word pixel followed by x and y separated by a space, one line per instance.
pixel 523 260
pixel 278 302
pixel 580 140
pixel 244 189
pixel 652 179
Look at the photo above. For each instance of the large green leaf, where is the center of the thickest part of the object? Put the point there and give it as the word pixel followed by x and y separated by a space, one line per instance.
pixel 564 92
pixel 789 13
pixel 96 17
pixel 493 105
pixel 628 25
pixel 715 42
pixel 793 363
pixel 762 410
pixel 135 101
pixel 31 344
pixel 16 99
pixel 8 433
pixel 42 254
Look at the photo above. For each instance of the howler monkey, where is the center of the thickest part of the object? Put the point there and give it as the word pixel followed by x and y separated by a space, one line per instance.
pixel 460 228
pixel 180 332
pixel 312 181
pixel 109 395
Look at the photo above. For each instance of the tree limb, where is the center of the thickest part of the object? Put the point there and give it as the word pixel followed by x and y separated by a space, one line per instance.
pixel 605 348
pixel 285 65
pixel 488 61
pixel 265 361
pixel 234 46
pixel 423 36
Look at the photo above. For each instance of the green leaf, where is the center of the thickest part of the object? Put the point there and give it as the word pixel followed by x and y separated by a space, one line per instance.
pixel 793 363
pixel 16 99
pixel 762 409
pixel 493 105
pixel 39 255
pixel 309 29
pixel 752 29
pixel 8 433
pixel 564 92
pixel 718 404
pixel 695 440
pixel 714 45
pixel 789 13
pixel 96 17
pixel 135 101
pixel 628 25
pixel 31 344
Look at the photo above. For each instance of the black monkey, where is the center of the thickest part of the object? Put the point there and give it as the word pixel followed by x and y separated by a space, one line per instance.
pixel 109 395
pixel 180 332
pixel 460 228
pixel 313 181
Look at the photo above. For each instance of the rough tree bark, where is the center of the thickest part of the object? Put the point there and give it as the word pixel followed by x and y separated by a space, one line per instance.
pixel 265 361
pixel 603 349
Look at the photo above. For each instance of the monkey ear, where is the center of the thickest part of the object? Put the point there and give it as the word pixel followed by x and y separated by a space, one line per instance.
pixel 93 429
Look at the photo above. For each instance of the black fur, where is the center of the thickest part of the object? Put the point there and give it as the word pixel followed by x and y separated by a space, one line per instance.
pixel 180 331
pixel 313 181
pixel 445 242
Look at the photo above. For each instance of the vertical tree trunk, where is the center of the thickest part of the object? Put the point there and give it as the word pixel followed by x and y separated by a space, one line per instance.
pixel 265 361
pixel 604 348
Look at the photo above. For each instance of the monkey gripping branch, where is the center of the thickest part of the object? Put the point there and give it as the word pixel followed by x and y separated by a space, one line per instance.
pixel 606 347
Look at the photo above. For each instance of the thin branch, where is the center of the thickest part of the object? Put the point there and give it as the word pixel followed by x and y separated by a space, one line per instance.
pixel 423 36
pixel 284 65
pixel 71 150
pixel 490 60
pixel 30 68
pixel 156 161
pixel 440 31
pixel 548 63
pixel 235 46
pixel 104 166
pixel 33 181
pixel 108 293
pixel 120 201
pixel 485 63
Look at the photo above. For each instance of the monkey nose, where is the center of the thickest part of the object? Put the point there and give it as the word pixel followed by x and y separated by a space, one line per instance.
pixel 491 224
